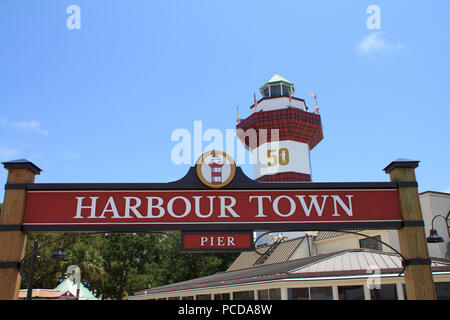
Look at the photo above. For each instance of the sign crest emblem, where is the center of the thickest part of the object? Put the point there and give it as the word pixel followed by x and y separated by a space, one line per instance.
pixel 215 169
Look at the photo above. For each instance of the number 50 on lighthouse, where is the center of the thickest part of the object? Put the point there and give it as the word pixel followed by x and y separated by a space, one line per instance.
pixel 281 157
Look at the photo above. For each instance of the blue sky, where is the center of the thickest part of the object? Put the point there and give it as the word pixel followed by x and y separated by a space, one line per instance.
pixel 99 103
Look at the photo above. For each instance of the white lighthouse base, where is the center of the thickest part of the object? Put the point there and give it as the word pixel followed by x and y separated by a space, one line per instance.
pixel 281 156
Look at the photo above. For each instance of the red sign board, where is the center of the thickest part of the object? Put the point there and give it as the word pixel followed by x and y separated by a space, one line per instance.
pixel 259 209
pixel 217 241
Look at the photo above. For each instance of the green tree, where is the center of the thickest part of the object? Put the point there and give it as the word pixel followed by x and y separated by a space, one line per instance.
pixel 118 264
pixel 81 250
pixel 175 266
pixel 126 263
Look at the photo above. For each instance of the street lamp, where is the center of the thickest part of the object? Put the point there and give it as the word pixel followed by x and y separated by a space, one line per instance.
pixel 57 255
pixel 434 237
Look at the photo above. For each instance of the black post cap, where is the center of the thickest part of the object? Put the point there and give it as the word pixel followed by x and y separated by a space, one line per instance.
pixel 401 163
pixel 22 164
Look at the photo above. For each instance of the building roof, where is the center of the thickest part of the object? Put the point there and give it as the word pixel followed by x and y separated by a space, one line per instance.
pixel 434 193
pixel 282 253
pixel 69 285
pixel 324 235
pixel 47 294
pixel 353 262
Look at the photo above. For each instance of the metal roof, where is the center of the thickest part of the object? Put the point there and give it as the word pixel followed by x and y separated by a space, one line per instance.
pixel 69 285
pixel 46 294
pixel 323 235
pixel 281 254
pixel 354 262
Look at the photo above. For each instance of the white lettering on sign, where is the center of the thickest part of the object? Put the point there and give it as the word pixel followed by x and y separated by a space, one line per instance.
pixel 110 207
pixel 187 209
pixel 291 203
pixel 158 206
pixel 260 204
pixel 80 207
pixel 219 241
pixel 205 206
pixel 229 206
pixel 197 206
pixel 348 209
pixel 314 203
pixel 129 207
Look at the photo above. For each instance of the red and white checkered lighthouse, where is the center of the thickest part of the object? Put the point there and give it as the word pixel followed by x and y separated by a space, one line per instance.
pixel 282 157
pixel 216 169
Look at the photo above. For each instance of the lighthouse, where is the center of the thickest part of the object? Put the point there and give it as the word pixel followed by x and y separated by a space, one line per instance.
pixel 280 133
pixel 216 165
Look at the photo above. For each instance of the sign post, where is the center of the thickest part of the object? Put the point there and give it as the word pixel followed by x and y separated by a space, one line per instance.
pixel 413 245
pixel 12 238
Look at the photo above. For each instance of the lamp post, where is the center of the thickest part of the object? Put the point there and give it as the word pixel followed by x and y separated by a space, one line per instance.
pixel 57 255
pixel 434 237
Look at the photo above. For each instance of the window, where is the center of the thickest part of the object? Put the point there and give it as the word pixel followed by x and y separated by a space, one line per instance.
pixel 275 91
pixel 266 93
pixel 315 293
pixel 222 296
pixel 370 243
pixel 187 298
pixel 173 298
pixel 386 292
pixel 286 90
pixel 269 294
pixel 351 293
pixel 442 290
pixel 244 295
pixel 274 294
pixel 203 297
pixel 298 294
pixel 321 293
pixel 263 294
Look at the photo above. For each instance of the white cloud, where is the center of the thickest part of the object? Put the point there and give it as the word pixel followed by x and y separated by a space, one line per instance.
pixel 31 126
pixel 375 42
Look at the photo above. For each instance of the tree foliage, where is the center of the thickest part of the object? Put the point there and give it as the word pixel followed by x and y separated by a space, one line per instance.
pixel 114 265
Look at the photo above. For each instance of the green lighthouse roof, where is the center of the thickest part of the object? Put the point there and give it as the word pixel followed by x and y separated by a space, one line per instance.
pixel 276 78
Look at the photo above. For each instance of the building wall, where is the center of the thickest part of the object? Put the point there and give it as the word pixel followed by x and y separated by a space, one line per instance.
pixel 432 204
pixel 351 241
pixel 303 250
